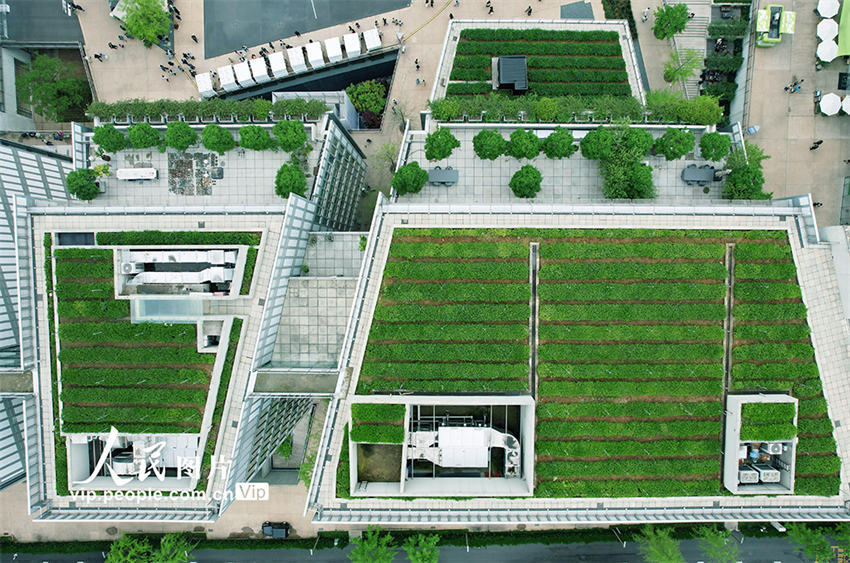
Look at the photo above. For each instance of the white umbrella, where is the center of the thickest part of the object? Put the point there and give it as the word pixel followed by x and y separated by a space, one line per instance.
pixel 827 29
pixel 828 8
pixel 827 50
pixel 845 105
pixel 830 104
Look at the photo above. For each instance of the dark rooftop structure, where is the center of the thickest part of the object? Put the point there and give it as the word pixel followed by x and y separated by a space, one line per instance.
pixel 513 72
pixel 39 23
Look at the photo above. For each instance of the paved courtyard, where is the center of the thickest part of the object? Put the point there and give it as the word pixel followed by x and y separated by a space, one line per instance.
pixel 333 255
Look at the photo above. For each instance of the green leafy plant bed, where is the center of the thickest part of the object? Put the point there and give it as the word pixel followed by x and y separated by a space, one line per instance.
pixel 162 238
pixel 192 109
pixel 248 276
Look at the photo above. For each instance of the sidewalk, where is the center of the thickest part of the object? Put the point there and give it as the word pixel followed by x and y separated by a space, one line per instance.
pixel 655 52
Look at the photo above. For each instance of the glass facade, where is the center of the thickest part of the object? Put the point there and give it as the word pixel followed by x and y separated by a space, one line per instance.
pixel 341 176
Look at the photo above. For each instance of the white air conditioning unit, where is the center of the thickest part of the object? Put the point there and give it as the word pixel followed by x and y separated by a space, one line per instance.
pixel 748 475
pixel 774 448
pixel 132 268
pixel 767 474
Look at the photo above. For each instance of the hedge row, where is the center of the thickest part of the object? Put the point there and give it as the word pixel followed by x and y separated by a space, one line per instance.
pixel 757 251
pixel 626 371
pixel 92 290
pixel 378 370
pixel 681 428
pixel 243 110
pixel 459 250
pixel 248 276
pixel 686 235
pixel 551 469
pixel 454 332
pixel 146 427
pixel 343 468
pixel 817 486
pixel 577 75
pixel 474 74
pixel 631 488
pixel 508 353
pixel 626 447
pixel 430 386
pixel 155 356
pixel 502 48
pixel 630 332
pixel 536 35
pixel 621 388
pixel 773 351
pixel 778 271
pixel 490 292
pixel 608 312
pixel 756 291
pixel 580 89
pixel 451 313
pixel 126 377
pixel 767 412
pixel 629 270
pixel 132 395
pixel 579 250
pixel 173 238
pixel 130 415
pixel 66 269
pixel 612 63
pixel 93 309
pixel 637 290
pixel 377 412
pixel 377 434
pixel 767 432
pixel 645 352
pixel 457 270
pixel 83 254
pixel 466 88
pixel 126 332
pixel 637 409
pixel 770 312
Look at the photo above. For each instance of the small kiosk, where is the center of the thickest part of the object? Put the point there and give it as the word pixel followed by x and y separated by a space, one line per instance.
pixel 771 23
pixel 278 64
pixel 352 44
pixel 296 59
pixel 259 70
pixel 227 79
pixel 333 49
pixel 314 55
pixel 204 83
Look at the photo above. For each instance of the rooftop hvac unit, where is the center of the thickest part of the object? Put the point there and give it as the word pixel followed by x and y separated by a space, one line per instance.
pixel 748 475
pixel 132 268
pixel 767 474
pixel 771 449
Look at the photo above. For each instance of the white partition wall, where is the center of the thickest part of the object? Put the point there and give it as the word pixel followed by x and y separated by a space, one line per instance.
pixel 204 83
pixel 372 39
pixel 243 74
pixel 228 81
pixel 314 55
pixel 333 49
pixel 352 44
pixel 296 59
pixel 259 70
pixel 278 64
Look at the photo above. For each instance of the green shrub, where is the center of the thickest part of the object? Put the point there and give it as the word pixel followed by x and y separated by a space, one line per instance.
pixel 723 63
pixel 670 20
pixel 261 109
pixel 559 144
pixel 250 263
pixel 290 179
pixel 721 90
pixel 440 144
pixel 368 96
pixel 377 434
pixel 109 138
pixel 714 146
pixel 675 143
pixel 373 412
pixel 142 136
pixel 621 10
pixel 745 182
pixel 523 144
pixel 290 134
pixel 597 144
pixel 409 179
pixel 81 184
pixel 256 138
pixel 179 135
pixel 526 181
pixel 163 238
pixel 217 139
pixel 732 29
pixel 446 109
pixel 489 144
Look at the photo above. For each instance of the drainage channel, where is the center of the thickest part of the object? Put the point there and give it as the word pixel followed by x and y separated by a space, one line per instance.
pixel 533 262
pixel 727 336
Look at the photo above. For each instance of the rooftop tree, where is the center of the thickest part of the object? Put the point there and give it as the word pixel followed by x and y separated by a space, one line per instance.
pixel 523 144
pixel 147 20
pixel 714 146
pixel 290 134
pixel 559 144
pixel 217 139
pixel 675 143
pixel 179 135
pixel 290 179
pixel 370 95
pixel 526 181
pixel 489 144
pixel 670 20
pixel 81 183
pixel 53 89
pixel 440 144
pixel 409 178
pixel 109 138
pixel 256 138
pixel 142 136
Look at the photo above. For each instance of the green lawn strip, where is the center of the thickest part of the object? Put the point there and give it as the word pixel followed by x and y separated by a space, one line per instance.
pixel 366 386
pixel 377 433
pixel 815 445
pixel 628 371
pixel 377 412
pixel 817 486
pixel 145 355
pixel 457 270
pixel 620 388
pixel 130 428
pixel 579 250
pixel 825 465
pixel 612 233
pixel 129 414
pixel 343 469
pixel 576 75
pixel 581 62
pixel 632 270
pixel 93 309
pixel 132 395
pixel 756 251
pixel 378 370
pixel 59 448
pixel 644 291
pixel 793 371
pixel 632 408
pixel 748 312
pixel 771 332
pixel 170 238
pixel 250 264
pixel 678 428
pixel 773 351
pixel 820 426
pixel 779 271
pixel 69 269
pixel 127 377
pixel 491 293
pixel 656 448
pixel 459 250
pixel 449 352
pixel 768 412
pixel 630 332
pixel 710 486
pixel 761 385
pixel 92 290
pixel 647 352
pixel 760 291
pixel 767 432
pixel 809 407
pixel 220 398
pixel 455 333
pixel 549 469
pixel 503 48
pixel 126 332
pixel 98 254
pixel 535 34
pixel 624 312
pixel 450 313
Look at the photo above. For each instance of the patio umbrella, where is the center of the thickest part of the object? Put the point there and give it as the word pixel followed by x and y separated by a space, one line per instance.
pixel 828 8
pixel 827 50
pixel 845 105
pixel 827 29
pixel 830 104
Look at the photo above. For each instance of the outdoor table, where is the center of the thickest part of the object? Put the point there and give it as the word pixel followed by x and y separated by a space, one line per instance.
pixel 698 175
pixel 443 176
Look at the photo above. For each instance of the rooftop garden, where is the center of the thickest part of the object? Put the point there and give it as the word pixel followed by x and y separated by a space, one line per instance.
pixel 377 423
pixel 767 422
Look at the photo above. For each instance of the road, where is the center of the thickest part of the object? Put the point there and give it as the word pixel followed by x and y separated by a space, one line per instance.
pixel 761 550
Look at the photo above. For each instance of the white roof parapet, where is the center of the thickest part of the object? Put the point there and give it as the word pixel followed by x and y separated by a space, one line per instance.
pixel 205 86
pixel 372 38
pixel 333 49
pixel 227 79
pixel 278 64
pixel 243 74
pixel 314 55
pixel 259 70
pixel 352 44
pixel 296 59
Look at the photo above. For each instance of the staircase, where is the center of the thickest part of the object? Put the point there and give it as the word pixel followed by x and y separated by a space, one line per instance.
pixel 693 36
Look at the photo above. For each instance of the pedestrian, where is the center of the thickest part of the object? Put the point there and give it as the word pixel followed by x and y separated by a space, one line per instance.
pixel 195 38
pixel 451 16
pixel 193 73
pixel 104 56
pixel 796 89
pixel 96 56
pixel 376 23
pixel 417 81
pixel 385 20
pixel 190 65
pixel 457 3
pixel 163 67
pixel 488 3
pixel 691 16
pixel 351 29
pixel 78 7
pixel 816 145
pixel 368 141
pixel 297 34
pixel 847 161
pixel 180 68
pixel 176 15
pixel 491 10
pixel 357 25
pixel 395 101
pixel 645 15
pixel 271 45
pixel 309 41
pixel 112 45
pixel 817 204
pixel 164 77
pixel 417 68
pixel 121 38
pixel 170 63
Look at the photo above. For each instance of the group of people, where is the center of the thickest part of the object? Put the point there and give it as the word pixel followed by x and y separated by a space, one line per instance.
pixel 794 87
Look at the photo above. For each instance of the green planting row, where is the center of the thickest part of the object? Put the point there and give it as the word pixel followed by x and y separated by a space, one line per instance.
pixel 83 254
pixel 629 371
pixel 448 352
pixel 645 352
pixel 773 352
pixel 536 35
pixel 457 270
pixel 382 370
pixel 444 386
pixel 126 332
pixel 580 89
pixel 129 414
pixel 551 469
pixel 808 407
pixel 475 74
pixel 769 312
pixel 67 269
pixel 767 432
pixel 467 88
pixel 775 371
pixel 777 271
pixel 760 291
pixel 136 356
pixel 577 75
pixel 126 377
pixel 681 428
pixel 93 290
pixel 815 445
pixel 132 395
pixel 93 309
pixel 374 412
pixel 130 428
pixel 456 333
pixel 655 448
pixel 578 250
pixel 632 270
pixel 491 293
pixel 767 412
pixel 757 251
pixel 817 486
pixel 629 332
pixel 459 250
pixel 612 63
pixel 450 313
pixel 343 468
pixel 622 388
pixel 821 426
pixel 471 61
pixel 544 233
pixel 377 433
pixel 628 488
pixel 761 385
pixel 623 312
pixel 632 408
pixel 170 238
pixel 503 48
pixel 808 389
pixel 250 264
pixel 636 291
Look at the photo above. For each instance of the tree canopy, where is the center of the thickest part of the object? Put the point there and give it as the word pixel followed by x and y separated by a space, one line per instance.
pixel 142 136
pixel 523 144
pixel 256 138
pixel 526 181
pixel 559 143
pixel 370 95
pixel 81 183
pixel 675 143
pixel 180 135
pixel 53 90
pixel 489 144
pixel 290 180
pixel 217 139
pixel 670 20
pixel 714 146
pixel 440 144
pixel 409 178
pixel 146 20
pixel 372 547
pixel 290 134
pixel 109 138
pixel 657 546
